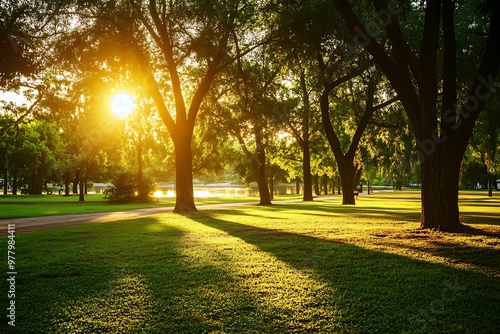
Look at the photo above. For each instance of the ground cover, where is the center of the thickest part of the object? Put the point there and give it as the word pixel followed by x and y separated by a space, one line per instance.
pixel 295 267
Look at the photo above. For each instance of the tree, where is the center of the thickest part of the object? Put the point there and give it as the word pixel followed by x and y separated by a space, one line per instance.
pixel 247 110
pixel 485 140
pixel 179 48
pixel 427 80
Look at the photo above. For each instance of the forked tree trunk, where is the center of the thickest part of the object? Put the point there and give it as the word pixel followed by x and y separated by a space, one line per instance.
pixel 184 194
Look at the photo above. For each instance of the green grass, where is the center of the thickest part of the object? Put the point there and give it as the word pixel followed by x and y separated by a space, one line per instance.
pixel 46 205
pixel 303 267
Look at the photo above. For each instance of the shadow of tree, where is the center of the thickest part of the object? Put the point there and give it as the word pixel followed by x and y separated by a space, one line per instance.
pixel 378 292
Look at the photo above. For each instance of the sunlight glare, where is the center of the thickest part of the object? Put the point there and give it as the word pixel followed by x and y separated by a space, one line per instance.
pixel 122 104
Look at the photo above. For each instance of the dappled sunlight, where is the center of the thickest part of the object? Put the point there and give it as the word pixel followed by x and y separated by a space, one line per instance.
pixel 388 230
pixel 277 289
pixel 127 306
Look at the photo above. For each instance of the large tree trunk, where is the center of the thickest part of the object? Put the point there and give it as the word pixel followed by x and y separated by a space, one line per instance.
pixel 184 194
pixel 415 79
pixel 439 194
pixel 347 177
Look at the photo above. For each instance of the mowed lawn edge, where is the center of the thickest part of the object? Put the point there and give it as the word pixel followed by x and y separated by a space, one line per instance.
pixel 304 267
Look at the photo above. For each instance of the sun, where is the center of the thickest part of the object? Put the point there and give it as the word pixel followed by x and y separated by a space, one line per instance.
pixel 122 104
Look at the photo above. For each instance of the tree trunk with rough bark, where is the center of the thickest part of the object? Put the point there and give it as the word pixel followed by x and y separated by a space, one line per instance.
pixel 184 193
pixel 440 194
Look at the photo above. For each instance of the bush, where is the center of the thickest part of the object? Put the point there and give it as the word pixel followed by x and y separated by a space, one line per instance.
pixel 125 188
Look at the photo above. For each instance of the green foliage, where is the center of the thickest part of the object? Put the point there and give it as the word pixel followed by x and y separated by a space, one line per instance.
pixel 126 189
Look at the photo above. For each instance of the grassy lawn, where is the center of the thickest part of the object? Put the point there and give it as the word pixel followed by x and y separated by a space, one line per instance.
pixel 46 205
pixel 315 267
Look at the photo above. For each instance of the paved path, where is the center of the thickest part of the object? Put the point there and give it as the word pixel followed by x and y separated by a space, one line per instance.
pixel 46 222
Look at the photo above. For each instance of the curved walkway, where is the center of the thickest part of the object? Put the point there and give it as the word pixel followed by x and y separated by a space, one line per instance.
pixel 46 222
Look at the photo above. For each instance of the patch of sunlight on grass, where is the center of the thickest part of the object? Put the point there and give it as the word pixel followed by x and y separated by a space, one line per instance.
pixel 388 222
pixel 124 309
pixel 279 290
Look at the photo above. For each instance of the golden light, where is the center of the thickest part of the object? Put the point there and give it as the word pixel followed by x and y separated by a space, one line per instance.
pixel 158 194
pixel 122 104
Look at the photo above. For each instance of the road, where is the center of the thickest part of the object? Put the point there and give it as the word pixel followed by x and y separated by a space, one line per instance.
pixel 48 222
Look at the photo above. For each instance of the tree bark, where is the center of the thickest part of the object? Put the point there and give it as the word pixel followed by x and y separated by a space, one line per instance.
pixel 490 183
pixel 440 194
pixel 14 181
pixel 415 79
pixel 348 175
pixel 76 181
pixel 81 197
pixel 5 183
pixel 317 191
pixel 66 178
pixel 339 192
pixel 184 194
pixel 306 154
pixel 325 183
pixel 271 184
pixel 306 172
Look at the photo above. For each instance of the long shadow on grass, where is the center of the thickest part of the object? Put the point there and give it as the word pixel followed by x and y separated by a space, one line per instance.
pixel 354 211
pixel 380 292
pixel 120 277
